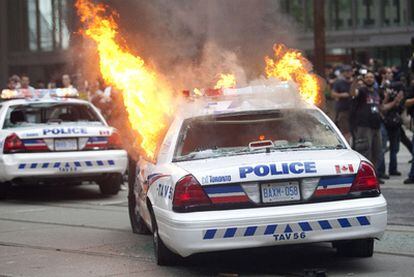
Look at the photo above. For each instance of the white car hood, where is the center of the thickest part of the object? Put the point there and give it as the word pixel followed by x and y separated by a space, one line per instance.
pixel 275 165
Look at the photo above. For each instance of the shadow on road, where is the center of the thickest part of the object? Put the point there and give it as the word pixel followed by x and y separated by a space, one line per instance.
pixel 53 193
pixel 292 260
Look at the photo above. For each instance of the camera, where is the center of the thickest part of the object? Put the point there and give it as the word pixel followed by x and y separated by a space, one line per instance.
pixel 359 70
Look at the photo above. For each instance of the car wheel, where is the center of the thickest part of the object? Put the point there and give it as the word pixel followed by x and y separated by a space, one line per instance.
pixel 163 255
pixel 4 189
pixel 73 184
pixel 111 184
pixel 137 223
pixel 355 248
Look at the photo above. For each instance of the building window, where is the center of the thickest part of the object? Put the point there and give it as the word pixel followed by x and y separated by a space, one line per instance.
pixel 367 13
pixel 294 8
pixel 411 8
pixel 32 26
pixel 392 11
pixel 48 24
pixel 339 16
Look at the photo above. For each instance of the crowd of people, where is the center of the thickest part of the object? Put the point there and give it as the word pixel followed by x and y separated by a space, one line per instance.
pixel 372 105
pixel 94 92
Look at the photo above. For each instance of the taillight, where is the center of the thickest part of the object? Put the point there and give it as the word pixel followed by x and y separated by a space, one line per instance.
pixel 13 144
pixel 114 141
pixel 188 193
pixel 366 179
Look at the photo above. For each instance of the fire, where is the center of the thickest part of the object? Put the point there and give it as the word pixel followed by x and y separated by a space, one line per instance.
pixel 289 64
pixel 226 81
pixel 146 97
pixel 197 92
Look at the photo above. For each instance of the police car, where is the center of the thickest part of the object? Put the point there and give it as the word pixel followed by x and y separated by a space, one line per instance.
pixel 243 170
pixel 47 136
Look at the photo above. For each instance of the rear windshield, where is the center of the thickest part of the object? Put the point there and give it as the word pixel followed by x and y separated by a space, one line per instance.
pixel 43 113
pixel 228 135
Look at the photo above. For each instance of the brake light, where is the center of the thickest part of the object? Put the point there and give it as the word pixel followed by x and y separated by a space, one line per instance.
pixel 13 144
pixel 189 194
pixel 114 141
pixel 365 179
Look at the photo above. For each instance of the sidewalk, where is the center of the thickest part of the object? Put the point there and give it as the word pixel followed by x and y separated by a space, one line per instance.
pixel 403 166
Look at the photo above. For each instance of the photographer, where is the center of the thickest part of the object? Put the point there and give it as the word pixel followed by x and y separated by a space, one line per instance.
pixel 392 94
pixel 341 94
pixel 366 118
pixel 409 104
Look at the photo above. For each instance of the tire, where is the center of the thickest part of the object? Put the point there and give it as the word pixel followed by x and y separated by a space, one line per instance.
pixel 4 189
pixel 355 248
pixel 137 223
pixel 74 184
pixel 111 184
pixel 163 255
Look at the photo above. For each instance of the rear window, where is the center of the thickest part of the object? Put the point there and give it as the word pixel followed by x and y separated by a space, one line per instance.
pixel 43 113
pixel 227 135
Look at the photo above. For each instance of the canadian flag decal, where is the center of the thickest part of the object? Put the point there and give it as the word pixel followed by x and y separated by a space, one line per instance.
pixel 344 168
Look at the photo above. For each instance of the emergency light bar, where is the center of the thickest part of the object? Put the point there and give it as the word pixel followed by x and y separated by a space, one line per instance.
pixel 209 92
pixel 8 94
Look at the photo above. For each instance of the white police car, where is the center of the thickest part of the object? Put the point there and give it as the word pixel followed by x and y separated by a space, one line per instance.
pixel 47 138
pixel 245 171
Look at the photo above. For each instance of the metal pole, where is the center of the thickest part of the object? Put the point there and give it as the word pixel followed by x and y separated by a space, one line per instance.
pixel 319 36
pixel 4 63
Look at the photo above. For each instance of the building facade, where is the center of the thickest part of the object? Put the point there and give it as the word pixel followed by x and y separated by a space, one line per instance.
pixel 35 38
pixel 359 29
pixel 38 37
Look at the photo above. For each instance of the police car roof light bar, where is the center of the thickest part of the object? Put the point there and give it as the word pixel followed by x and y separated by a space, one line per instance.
pixel 8 94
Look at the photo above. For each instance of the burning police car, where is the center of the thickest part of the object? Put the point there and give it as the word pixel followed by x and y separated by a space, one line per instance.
pixel 242 170
pixel 46 137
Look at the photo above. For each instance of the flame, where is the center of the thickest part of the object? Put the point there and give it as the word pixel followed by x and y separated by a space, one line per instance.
pixel 197 92
pixel 226 81
pixel 147 99
pixel 289 64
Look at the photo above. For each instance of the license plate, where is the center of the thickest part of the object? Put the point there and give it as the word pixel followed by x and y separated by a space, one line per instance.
pixel 66 144
pixel 279 192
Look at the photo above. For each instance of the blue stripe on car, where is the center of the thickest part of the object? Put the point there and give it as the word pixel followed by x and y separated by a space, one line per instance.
pixel 230 232
pixel 305 226
pixel 336 180
pixel 223 189
pixel 250 231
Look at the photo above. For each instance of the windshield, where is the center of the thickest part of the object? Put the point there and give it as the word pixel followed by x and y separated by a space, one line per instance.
pixel 231 134
pixel 46 113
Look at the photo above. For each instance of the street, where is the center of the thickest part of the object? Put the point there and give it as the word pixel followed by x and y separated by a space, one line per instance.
pixel 75 231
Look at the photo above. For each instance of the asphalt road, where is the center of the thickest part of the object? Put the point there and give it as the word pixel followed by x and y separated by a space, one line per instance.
pixel 74 231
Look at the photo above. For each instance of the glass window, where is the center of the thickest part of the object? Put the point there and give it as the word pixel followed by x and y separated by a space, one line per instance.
pixel 48 24
pixel 367 13
pixel 339 15
pixel 64 9
pixel 42 113
pixel 294 8
pixel 233 134
pixel 392 12
pixel 32 32
pixel 309 15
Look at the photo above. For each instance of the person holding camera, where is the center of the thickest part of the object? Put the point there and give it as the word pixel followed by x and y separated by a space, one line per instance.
pixel 366 118
pixel 341 93
pixel 392 94
pixel 409 104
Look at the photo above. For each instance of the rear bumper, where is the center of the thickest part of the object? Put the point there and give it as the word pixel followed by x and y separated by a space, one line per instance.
pixel 189 233
pixel 62 164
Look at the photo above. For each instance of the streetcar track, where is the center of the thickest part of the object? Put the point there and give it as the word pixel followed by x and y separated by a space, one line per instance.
pixel 74 251
pixel 65 225
pixel 145 259
pixel 88 207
